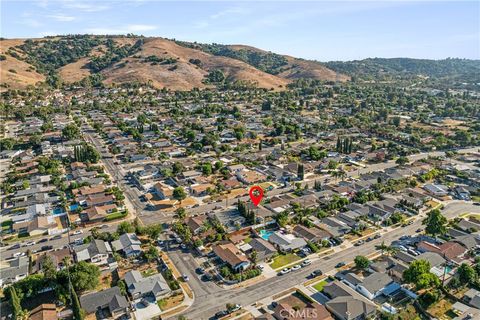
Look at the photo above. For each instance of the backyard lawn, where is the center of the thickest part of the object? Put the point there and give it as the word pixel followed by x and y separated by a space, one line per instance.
pixel 284 260
pixel 319 286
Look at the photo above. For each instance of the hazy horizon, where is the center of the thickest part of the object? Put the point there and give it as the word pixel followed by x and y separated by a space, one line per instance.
pixel 318 30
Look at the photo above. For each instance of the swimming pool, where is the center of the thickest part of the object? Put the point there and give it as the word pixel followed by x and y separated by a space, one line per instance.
pixel 265 234
pixel 74 207
pixel 57 210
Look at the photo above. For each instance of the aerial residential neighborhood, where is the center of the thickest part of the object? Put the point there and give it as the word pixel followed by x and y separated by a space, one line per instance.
pixel 151 178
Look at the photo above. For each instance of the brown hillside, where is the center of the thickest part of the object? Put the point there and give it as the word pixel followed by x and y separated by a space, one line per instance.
pixel 299 68
pixel 187 75
pixel 181 75
pixel 15 73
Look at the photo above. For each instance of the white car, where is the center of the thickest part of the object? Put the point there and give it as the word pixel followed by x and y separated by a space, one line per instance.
pixel 30 243
pixel 78 232
pixel 296 267
pixel 285 271
pixel 18 254
pixel 185 278
pixel 306 262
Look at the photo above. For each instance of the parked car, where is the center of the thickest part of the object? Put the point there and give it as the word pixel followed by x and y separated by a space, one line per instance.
pixel 419 230
pixel 220 314
pixel 207 277
pixel 296 267
pixel 260 266
pixel 340 264
pixel 306 262
pixel 42 240
pixel 377 236
pixel 30 243
pixel 57 237
pixel 285 271
pixel 18 254
pixel 78 232
pixel 315 273
pixel 185 278
pixel 45 248
pixel 235 308
pixel 200 270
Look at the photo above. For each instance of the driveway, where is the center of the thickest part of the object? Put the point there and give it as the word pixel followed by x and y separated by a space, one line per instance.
pixel 143 312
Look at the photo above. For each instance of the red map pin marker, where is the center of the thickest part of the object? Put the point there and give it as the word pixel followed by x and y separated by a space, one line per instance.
pixel 256 194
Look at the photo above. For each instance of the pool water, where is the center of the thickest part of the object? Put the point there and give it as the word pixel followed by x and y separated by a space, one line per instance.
pixel 74 207
pixel 265 234
pixel 57 211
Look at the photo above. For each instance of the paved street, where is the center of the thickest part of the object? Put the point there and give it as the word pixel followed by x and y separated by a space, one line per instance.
pixel 206 305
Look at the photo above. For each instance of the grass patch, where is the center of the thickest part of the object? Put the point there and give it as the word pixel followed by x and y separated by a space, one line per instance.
pixel 116 215
pixel 6 225
pixel 319 286
pixel 148 273
pixel 439 309
pixel 247 240
pixel 284 260
pixel 162 303
pixel 476 198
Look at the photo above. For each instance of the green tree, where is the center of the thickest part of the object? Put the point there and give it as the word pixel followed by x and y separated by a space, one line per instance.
pixel 78 313
pixel 84 276
pixel 181 213
pixel 125 227
pixel 151 253
pixel 419 274
pixel 70 131
pixel 48 268
pixel 14 302
pixel 361 262
pixel 179 194
pixel 466 274
pixel 435 223
pixel 401 161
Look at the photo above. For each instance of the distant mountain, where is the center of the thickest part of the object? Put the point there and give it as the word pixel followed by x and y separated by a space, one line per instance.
pixel 180 65
pixel 158 61
pixel 380 68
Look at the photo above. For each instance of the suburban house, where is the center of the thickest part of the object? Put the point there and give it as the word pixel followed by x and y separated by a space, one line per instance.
pixel 452 251
pixel 109 301
pixel 472 297
pixel 376 284
pixel 311 234
pixel 286 242
pixel 96 252
pixel 154 285
pixel 17 269
pixel 45 311
pixel 284 311
pixel 265 250
pixel 196 223
pixel 346 304
pixel 232 256
pixel 128 244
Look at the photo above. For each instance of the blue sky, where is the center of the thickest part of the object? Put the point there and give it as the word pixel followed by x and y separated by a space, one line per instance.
pixel 318 30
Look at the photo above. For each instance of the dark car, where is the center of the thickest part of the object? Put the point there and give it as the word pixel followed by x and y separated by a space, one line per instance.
pixel 15 246
pixel 220 314
pixel 45 248
pixel 207 277
pixel 42 240
pixel 57 237
pixel 315 273
pixel 200 270
pixel 340 264
pixel 369 239
pixel 377 236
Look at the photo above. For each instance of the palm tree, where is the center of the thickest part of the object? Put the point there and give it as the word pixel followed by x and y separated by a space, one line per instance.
pixel 383 247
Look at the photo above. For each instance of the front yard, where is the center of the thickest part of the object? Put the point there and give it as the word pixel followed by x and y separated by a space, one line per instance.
pixel 319 286
pixel 283 260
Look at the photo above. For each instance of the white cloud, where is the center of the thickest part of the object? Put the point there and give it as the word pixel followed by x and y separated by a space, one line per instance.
pixel 85 7
pixel 131 28
pixel 61 17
